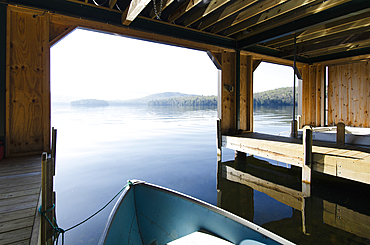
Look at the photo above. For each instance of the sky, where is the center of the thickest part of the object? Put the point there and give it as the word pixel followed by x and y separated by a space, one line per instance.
pixel 93 65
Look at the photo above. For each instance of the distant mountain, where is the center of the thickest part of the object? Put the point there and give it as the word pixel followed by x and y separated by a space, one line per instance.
pixel 90 103
pixel 146 99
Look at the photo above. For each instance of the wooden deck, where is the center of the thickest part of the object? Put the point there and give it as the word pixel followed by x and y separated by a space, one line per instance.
pixel 20 186
pixel 346 161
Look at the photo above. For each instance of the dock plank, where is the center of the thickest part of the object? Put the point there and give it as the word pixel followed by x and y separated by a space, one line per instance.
pixel 346 161
pixel 15 236
pixel 20 186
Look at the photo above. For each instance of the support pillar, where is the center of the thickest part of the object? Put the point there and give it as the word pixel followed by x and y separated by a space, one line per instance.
pixel 307 160
pixel 341 133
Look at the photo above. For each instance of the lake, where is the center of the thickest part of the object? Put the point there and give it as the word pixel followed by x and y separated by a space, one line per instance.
pixel 100 148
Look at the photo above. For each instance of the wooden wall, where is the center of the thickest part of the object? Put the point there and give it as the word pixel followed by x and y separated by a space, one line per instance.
pixel 27 83
pixel 349 94
pixel 313 94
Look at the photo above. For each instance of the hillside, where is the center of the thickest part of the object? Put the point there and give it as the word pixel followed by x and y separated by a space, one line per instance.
pixel 275 97
pixel 186 101
pixel 146 99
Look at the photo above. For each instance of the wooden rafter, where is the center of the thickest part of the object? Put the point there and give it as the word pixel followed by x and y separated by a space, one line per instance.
pixel 205 10
pixel 184 8
pixel 319 6
pixel 258 8
pixel 346 27
pixel 112 3
pixel 165 4
pixel 345 43
pixel 249 22
pixel 135 8
pixel 226 12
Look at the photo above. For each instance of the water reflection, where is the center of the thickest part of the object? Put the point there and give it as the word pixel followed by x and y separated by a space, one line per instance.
pixel 337 211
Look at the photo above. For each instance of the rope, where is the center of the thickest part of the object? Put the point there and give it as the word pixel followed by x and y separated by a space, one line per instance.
pixel 58 230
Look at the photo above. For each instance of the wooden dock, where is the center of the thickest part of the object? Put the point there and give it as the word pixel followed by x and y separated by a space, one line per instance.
pixel 346 161
pixel 20 186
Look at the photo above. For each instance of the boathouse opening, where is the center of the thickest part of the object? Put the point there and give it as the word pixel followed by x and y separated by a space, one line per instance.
pixel 273 98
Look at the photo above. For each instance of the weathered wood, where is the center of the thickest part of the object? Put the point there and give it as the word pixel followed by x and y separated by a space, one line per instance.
pixel 16 235
pixel 246 93
pixel 228 105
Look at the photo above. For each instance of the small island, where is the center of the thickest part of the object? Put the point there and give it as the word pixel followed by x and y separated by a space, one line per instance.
pixel 90 103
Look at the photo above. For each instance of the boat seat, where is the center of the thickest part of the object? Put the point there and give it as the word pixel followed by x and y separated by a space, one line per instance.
pixel 200 237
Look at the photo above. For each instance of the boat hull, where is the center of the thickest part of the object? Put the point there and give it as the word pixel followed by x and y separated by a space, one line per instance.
pixel 149 214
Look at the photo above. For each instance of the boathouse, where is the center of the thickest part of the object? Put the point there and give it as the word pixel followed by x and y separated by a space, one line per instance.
pixel 327 43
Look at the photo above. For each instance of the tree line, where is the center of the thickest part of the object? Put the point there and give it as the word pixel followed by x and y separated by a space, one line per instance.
pixel 186 101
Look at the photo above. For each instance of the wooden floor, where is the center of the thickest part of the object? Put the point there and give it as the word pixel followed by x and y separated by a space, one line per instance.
pixel 346 161
pixel 20 185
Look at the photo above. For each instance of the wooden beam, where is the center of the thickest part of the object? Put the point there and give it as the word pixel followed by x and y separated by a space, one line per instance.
pixel 268 15
pixel 205 10
pixel 228 104
pixel 226 12
pixel 183 9
pixel 284 19
pixel 135 8
pixel 58 32
pixel 307 159
pixel 112 3
pixel 255 9
pixel 343 42
pixel 343 28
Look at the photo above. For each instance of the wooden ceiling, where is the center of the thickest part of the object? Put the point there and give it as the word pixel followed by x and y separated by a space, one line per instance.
pixel 324 29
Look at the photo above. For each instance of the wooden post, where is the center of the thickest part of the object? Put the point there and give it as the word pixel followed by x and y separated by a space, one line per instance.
pixel 341 133
pixel 307 148
pixel 47 198
pixel 299 122
pixel 219 138
pixel 294 129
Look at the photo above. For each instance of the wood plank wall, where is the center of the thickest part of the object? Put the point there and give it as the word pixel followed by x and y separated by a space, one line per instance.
pixel 313 95
pixel 27 86
pixel 349 94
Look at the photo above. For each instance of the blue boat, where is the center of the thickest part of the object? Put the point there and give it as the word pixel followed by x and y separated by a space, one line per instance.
pixel 146 214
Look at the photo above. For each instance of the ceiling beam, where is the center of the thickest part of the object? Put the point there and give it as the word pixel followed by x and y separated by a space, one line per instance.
pixel 342 42
pixel 113 17
pixel 204 11
pixel 135 8
pixel 183 9
pixel 321 18
pixel 255 9
pixel 226 12
pixel 276 21
pixel 343 27
pixel 266 16
pixel 342 55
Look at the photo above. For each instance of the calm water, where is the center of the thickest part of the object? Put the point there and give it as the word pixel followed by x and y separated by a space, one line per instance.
pixel 99 149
